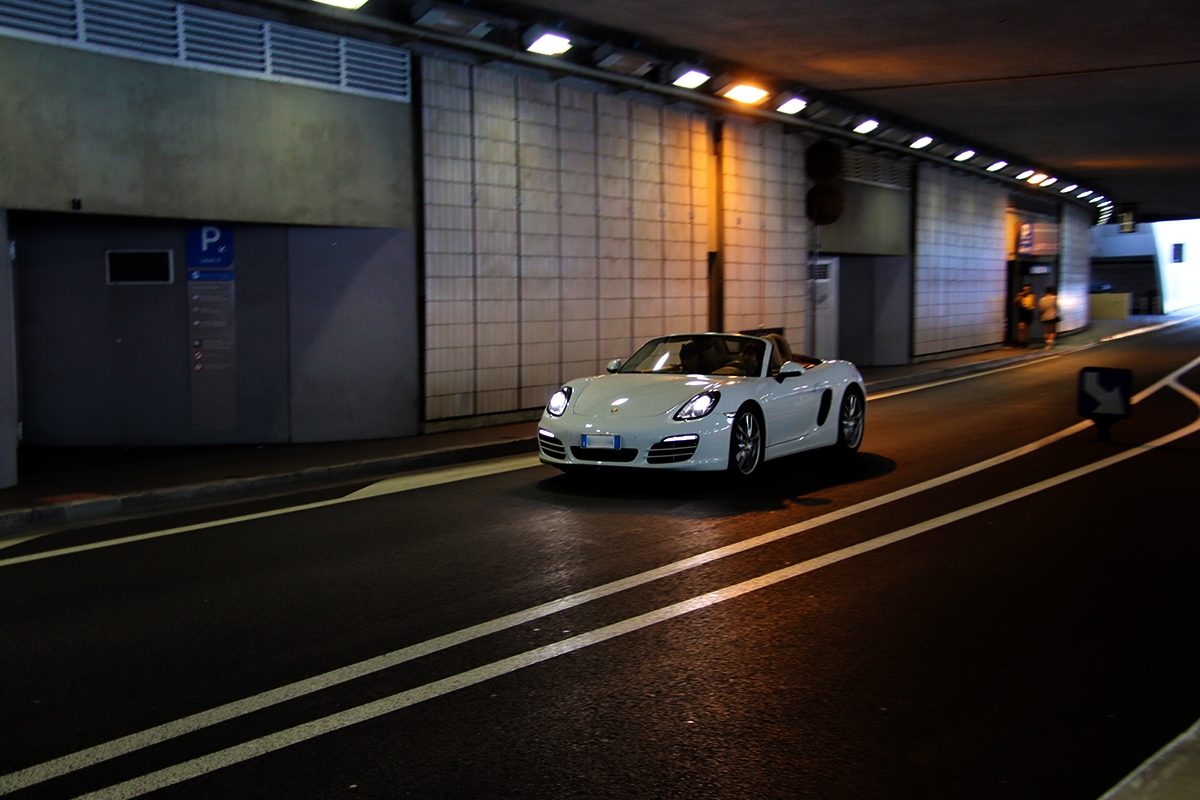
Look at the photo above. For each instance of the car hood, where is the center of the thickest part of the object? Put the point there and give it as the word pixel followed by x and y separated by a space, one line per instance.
pixel 642 395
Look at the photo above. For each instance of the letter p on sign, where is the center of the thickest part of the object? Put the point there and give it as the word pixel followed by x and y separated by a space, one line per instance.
pixel 209 246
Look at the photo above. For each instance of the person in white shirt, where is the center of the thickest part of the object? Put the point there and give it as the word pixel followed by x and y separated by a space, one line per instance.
pixel 1048 305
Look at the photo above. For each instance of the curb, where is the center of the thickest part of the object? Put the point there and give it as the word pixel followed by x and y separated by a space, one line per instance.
pixel 957 372
pixel 236 488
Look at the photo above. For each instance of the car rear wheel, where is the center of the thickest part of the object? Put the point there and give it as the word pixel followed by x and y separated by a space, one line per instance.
pixel 852 418
pixel 746 443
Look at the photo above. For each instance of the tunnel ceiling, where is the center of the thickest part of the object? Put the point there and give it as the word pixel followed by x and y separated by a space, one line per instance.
pixel 1107 92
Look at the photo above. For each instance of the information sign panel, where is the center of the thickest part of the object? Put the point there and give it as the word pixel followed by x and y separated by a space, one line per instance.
pixel 209 246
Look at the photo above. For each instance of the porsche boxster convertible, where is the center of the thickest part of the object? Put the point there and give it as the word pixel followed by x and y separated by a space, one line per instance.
pixel 704 401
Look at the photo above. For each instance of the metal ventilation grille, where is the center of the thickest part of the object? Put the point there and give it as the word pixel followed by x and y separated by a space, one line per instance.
pixel 46 17
pixel 162 31
pixel 874 169
pixel 376 68
pixel 144 27
pixel 307 55
pixel 224 40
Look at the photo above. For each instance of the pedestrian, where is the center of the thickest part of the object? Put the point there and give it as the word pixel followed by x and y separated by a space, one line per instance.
pixel 1048 305
pixel 1025 304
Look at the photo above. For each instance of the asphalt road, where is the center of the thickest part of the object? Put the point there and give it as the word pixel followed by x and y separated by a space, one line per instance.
pixel 1018 629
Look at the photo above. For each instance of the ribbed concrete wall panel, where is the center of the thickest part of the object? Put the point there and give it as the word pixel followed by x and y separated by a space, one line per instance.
pixel 587 232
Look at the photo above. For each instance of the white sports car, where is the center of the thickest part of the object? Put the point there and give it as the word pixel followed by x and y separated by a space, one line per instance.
pixel 704 401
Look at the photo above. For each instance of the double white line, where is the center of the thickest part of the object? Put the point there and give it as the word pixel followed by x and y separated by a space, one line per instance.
pixel 276 741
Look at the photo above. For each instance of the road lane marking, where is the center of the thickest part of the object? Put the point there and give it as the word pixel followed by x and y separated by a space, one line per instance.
pixel 170 730
pixel 401 483
pixel 1147 329
pixel 344 719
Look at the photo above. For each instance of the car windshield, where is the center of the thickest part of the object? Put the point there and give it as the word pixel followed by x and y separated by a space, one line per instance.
pixel 737 356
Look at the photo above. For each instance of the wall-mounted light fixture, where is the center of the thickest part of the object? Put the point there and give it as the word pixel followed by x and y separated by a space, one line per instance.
pixel 790 104
pixel 352 5
pixel 458 20
pixel 740 91
pixel 543 41
pixel 626 62
pixel 687 76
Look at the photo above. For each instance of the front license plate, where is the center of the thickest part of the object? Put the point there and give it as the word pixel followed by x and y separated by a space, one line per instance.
pixel 593 442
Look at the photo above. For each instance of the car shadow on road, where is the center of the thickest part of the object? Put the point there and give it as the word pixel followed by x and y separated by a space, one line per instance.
pixel 791 481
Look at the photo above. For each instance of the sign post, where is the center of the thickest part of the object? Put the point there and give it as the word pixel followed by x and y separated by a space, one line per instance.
pixel 1104 397
pixel 212 328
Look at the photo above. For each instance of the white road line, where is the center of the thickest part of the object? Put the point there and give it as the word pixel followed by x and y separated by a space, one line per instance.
pixel 150 736
pixel 1148 329
pixel 344 719
pixel 402 483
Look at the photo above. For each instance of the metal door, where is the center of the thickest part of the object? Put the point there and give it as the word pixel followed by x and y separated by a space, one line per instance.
pixel 823 303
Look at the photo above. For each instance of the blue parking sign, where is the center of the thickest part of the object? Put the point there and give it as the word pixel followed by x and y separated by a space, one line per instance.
pixel 209 246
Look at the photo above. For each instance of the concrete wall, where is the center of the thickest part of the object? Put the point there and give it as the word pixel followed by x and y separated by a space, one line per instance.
pixel 355 369
pixel 766 231
pixel 1074 268
pixel 137 138
pixel 960 271
pixel 877 221
pixel 8 364
pixel 563 226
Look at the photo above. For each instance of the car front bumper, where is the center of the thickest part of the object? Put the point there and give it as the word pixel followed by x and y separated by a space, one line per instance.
pixel 646 442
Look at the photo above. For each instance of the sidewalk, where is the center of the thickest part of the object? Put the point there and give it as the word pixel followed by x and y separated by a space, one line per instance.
pixel 60 485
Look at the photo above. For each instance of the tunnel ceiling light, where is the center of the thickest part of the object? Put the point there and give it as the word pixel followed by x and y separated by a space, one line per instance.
pixel 626 62
pixel 457 20
pixel 688 77
pixel 922 142
pixel 790 104
pixel 1084 193
pixel 1049 182
pixel 965 155
pixel 543 42
pixel 1026 174
pixel 866 126
pixel 999 165
pixel 746 93
pixel 353 5
pixel 1038 179
pixel 1070 188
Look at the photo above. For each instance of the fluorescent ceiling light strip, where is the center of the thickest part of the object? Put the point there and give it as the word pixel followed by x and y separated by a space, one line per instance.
pixel 997 166
pixel 924 141
pixel 965 155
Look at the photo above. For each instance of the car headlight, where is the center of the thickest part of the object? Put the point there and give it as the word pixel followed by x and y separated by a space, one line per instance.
pixel 699 406
pixel 558 401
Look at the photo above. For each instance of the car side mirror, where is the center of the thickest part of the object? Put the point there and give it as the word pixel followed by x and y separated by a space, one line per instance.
pixel 789 368
pixel 614 365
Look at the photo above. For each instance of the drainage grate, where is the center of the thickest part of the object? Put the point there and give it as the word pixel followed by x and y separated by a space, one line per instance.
pixel 162 31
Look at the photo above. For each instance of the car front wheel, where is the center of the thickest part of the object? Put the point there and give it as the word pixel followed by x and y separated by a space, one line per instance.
pixel 746 443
